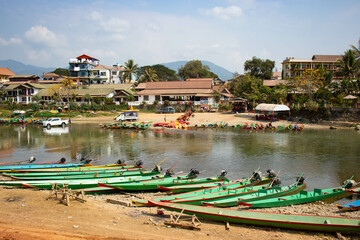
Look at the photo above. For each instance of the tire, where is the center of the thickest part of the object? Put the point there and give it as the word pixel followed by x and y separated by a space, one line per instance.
pixel 63 125
pixel 48 126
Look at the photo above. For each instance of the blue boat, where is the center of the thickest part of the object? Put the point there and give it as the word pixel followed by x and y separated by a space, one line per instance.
pixel 353 206
pixel 37 166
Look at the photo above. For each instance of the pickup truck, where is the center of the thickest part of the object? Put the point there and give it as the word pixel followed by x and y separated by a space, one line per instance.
pixel 51 122
pixel 166 110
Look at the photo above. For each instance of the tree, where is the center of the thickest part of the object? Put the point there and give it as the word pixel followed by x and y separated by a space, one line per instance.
pixel 64 90
pixel 195 69
pixel 356 51
pixel 259 68
pixel 249 87
pixel 62 72
pixel 310 80
pixel 88 97
pixel 163 73
pixel 149 75
pixel 36 98
pixel 130 69
pixel 349 66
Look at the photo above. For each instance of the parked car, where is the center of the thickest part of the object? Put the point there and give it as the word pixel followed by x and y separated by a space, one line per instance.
pixel 127 116
pixel 51 122
pixel 166 110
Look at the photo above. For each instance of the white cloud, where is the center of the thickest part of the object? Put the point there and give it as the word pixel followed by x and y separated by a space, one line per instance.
pixel 223 13
pixel 41 35
pixel 111 25
pixel 11 41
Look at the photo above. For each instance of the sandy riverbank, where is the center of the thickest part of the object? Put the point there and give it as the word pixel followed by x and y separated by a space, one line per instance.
pixel 26 214
pixel 206 118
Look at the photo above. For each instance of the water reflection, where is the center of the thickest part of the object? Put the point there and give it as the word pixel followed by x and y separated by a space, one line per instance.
pixel 327 158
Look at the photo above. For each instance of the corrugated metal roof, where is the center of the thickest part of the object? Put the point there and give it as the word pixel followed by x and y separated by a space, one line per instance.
pixel 175 92
pixel 178 85
pixel 80 92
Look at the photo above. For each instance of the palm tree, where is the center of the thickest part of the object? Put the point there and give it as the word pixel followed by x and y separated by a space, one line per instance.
pixel 130 69
pixel 349 66
pixel 149 76
pixel 356 51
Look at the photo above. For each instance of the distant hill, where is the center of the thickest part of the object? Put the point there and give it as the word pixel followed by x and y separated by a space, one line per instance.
pixel 220 71
pixel 23 69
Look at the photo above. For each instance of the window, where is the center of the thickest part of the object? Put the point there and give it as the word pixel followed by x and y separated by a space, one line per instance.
pixel 157 97
pixel 146 97
pixel 103 74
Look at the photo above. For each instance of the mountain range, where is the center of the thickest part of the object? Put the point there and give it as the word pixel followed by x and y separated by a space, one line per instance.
pixel 20 68
pixel 220 71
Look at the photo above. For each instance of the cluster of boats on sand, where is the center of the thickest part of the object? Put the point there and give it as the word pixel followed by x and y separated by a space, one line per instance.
pixel 217 198
pixel 22 120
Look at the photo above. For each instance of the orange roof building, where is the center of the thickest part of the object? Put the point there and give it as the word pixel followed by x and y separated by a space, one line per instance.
pixel 5 73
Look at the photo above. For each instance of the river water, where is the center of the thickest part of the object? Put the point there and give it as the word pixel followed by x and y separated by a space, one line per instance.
pixel 326 157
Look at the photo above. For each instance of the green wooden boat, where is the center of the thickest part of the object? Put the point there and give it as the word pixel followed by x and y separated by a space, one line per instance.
pixel 277 220
pixel 81 183
pixel 328 195
pixel 214 191
pixel 92 175
pixel 231 201
pixel 225 182
pixel 152 184
pixel 231 193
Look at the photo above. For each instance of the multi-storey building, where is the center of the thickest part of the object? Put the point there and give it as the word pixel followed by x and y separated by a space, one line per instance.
pixel 106 75
pixel 80 67
pixel 293 67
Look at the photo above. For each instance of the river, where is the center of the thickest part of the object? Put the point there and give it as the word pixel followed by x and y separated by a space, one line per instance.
pixel 326 157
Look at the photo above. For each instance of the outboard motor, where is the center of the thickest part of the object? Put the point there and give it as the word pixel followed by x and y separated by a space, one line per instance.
pixel 32 159
pixel 86 161
pixel 257 176
pixel 157 168
pixel 62 160
pixel 300 181
pixel 277 182
pixel 193 172
pixel 139 163
pixel 271 173
pixel 349 184
pixel 120 161
pixel 169 173
pixel 223 173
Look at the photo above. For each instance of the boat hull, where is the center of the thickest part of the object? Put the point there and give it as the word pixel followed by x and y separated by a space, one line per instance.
pixel 278 220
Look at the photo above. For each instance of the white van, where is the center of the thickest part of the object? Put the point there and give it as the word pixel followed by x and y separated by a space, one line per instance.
pixel 127 116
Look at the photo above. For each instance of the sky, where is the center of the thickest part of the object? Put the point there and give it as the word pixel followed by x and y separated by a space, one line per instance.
pixel 48 33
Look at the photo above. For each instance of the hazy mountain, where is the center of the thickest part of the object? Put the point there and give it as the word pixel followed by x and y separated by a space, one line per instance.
pixel 23 69
pixel 220 71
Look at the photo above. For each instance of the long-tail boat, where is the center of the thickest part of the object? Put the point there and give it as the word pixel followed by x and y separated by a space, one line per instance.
pixel 69 173
pixel 231 201
pixel 82 183
pixel 85 167
pixel 90 176
pixel 266 219
pixel 226 182
pixel 217 191
pixel 6 168
pixel 152 184
pixel 328 195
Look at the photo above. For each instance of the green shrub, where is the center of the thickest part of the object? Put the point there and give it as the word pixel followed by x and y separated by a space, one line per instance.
pixel 85 107
pixel 94 107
